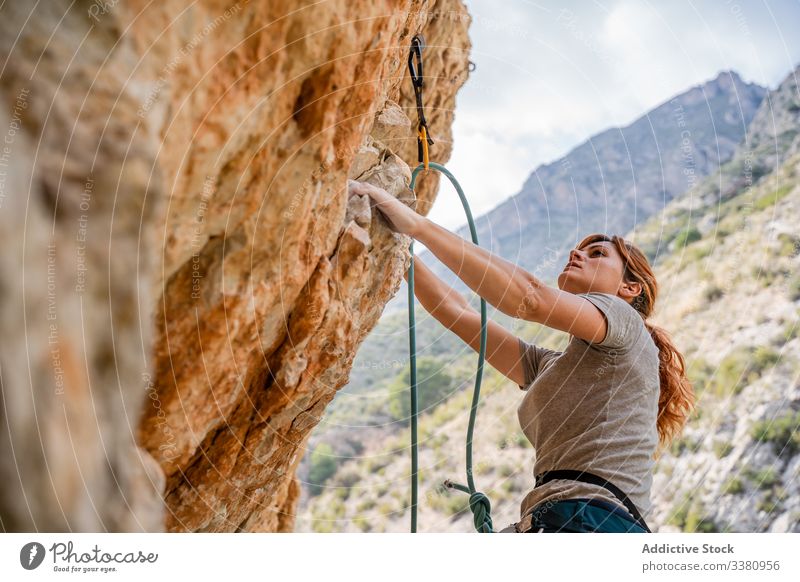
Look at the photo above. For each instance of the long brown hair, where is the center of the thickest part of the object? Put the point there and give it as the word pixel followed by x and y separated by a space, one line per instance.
pixel 677 398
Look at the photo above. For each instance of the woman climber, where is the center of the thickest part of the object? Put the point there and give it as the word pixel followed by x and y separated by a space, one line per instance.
pixel 599 413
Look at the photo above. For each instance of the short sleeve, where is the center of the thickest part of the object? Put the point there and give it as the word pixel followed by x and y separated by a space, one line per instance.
pixel 623 322
pixel 534 359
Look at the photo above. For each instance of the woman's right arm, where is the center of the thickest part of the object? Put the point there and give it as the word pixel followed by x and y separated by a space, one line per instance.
pixel 452 311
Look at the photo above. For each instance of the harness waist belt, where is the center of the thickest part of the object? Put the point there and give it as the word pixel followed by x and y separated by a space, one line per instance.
pixel 593 479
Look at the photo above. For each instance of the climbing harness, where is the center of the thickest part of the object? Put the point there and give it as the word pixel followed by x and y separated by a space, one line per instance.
pixel 593 479
pixel 478 502
pixel 417 80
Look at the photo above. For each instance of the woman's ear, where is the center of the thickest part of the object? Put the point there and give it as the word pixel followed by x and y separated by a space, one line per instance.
pixel 630 289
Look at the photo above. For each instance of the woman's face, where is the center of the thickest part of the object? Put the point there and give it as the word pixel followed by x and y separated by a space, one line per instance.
pixel 597 267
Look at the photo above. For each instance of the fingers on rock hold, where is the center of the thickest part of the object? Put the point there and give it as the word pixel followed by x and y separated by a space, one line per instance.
pixel 359 210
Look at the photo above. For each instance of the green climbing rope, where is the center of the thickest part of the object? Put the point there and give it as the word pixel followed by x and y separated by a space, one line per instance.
pixel 478 502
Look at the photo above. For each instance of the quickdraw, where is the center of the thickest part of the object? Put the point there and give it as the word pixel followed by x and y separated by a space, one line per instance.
pixel 417 79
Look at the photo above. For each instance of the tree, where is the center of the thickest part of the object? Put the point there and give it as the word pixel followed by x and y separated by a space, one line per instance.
pixel 434 385
pixel 323 466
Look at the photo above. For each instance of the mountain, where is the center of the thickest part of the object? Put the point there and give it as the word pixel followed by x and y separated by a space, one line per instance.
pixel 730 298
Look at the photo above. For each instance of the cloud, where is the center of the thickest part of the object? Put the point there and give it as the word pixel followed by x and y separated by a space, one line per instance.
pixel 552 74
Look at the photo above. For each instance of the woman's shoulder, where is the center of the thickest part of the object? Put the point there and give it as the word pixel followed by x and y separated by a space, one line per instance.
pixel 624 325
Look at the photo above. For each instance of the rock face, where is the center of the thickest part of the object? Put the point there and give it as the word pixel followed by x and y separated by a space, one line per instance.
pixel 196 283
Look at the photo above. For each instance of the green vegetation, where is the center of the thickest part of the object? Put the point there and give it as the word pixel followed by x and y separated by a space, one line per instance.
pixel 728 224
pixel 794 288
pixel 455 503
pixel 690 516
pixel 788 245
pixel 764 478
pixel 764 357
pixel 733 486
pixel 783 432
pixel 323 466
pixel 684 443
pixel 366 505
pixel 722 449
pixel 699 252
pixel 687 237
pixel 770 275
pixel 738 369
pixel 434 385
pixel 712 293
pixel 522 441
pixel 773 197
pixel 699 372
pixel 790 332
pixel 506 470
pixel 772 500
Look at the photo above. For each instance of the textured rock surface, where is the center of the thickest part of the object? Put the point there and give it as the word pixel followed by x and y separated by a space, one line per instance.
pixel 78 180
pixel 227 282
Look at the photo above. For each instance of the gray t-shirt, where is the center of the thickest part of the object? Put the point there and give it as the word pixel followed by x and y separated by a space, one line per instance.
pixel 594 407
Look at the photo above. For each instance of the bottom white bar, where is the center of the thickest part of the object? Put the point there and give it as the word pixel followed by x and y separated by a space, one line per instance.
pixel 401 557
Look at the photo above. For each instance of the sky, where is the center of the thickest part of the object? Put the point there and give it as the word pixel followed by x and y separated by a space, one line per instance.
pixel 549 75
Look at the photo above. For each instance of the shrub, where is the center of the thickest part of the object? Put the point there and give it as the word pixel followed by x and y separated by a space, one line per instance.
pixel 698 522
pixel 522 441
pixel 687 237
pixel 434 385
pixel 772 198
pixel 790 332
pixel 679 512
pixel 684 443
pixel 769 502
pixel 341 493
pixel 699 252
pixel 689 515
pixel 722 449
pixel 783 432
pixel 699 372
pixel 764 357
pixel 455 503
pixel 712 293
pixel 764 478
pixel 376 463
pixel 323 466
pixel 347 478
pixel 506 470
pixel 336 508
pixel 739 368
pixel 788 245
pixel 794 288
pixel 733 486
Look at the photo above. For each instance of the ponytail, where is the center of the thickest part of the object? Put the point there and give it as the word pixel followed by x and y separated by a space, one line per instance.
pixel 676 399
